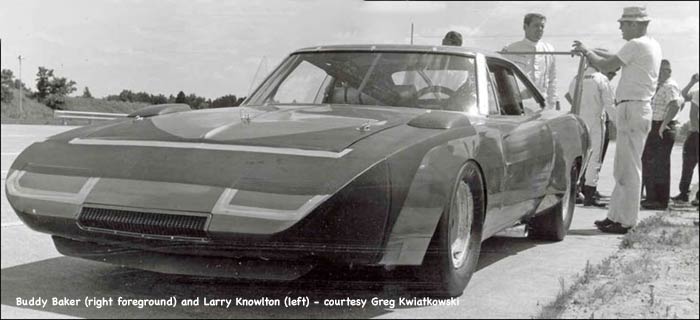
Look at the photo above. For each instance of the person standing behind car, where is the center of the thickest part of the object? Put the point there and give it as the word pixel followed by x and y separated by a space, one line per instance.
pixel 690 146
pixel 541 69
pixel 609 120
pixel 452 38
pixel 656 158
pixel 609 115
pixel 596 97
pixel 640 59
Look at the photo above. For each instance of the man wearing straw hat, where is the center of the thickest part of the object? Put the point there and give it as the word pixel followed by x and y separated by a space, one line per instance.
pixel 640 59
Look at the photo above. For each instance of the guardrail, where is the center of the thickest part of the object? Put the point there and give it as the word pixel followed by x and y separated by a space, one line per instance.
pixel 85 115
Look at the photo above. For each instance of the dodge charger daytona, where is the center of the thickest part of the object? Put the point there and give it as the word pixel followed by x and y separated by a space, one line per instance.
pixel 374 155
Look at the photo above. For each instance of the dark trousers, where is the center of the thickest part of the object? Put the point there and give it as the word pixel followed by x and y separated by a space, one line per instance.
pixel 690 159
pixel 656 164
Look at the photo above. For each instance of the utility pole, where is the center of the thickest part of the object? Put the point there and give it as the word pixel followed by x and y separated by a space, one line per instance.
pixel 20 85
pixel 411 32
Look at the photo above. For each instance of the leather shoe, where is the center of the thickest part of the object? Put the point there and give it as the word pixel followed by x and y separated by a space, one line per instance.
pixel 600 223
pixel 654 205
pixel 587 202
pixel 615 227
pixel 681 197
pixel 599 196
pixel 589 197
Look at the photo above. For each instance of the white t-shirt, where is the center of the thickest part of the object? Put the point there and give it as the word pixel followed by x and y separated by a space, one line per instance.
pixel 642 59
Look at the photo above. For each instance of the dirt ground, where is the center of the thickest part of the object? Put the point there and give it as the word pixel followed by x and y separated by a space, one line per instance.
pixel 655 275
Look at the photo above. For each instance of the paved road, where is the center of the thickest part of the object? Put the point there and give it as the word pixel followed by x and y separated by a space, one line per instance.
pixel 514 278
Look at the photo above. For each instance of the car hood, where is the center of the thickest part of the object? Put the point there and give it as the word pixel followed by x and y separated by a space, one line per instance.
pixel 325 128
pixel 199 162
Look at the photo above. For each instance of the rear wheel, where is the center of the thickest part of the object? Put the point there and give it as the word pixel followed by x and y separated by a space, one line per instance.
pixel 454 252
pixel 553 224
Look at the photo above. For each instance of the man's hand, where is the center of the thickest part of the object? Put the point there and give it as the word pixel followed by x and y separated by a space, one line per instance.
pixel 578 46
pixel 694 79
pixel 661 131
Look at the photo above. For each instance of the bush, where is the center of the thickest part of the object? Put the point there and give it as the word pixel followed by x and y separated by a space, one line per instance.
pixel 51 89
pixel 6 94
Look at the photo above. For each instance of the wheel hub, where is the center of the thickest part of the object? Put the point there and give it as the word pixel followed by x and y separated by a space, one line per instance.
pixel 461 224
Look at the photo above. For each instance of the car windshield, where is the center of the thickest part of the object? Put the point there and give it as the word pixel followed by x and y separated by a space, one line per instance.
pixel 397 79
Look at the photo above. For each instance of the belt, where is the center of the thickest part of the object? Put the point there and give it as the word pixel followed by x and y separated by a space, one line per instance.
pixel 623 101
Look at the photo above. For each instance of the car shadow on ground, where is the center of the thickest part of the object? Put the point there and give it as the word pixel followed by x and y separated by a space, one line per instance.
pixel 81 279
pixel 586 232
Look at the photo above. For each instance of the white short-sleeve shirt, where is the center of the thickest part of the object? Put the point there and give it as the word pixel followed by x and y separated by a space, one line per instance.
pixel 640 73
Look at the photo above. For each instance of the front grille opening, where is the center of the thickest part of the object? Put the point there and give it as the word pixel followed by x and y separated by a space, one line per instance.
pixel 145 223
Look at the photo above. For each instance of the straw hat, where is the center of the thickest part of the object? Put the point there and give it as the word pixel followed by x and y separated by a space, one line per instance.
pixel 634 14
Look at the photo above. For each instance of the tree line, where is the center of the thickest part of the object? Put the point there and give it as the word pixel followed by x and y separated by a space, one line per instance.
pixel 194 101
pixel 52 91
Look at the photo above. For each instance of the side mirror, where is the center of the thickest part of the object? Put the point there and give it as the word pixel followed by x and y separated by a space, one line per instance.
pixel 159 109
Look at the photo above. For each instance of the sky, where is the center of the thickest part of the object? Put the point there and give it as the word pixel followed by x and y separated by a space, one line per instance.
pixel 215 47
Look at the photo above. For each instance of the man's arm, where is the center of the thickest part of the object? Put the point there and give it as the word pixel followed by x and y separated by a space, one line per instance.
pixel 611 62
pixel 691 83
pixel 603 53
pixel 671 111
pixel 552 85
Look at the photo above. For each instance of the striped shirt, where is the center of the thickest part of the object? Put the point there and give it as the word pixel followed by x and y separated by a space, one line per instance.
pixel 665 93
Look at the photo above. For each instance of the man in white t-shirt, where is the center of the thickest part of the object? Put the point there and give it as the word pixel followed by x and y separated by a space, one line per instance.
pixel 640 59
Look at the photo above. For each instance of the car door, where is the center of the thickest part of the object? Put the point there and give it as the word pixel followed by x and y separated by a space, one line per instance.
pixel 527 142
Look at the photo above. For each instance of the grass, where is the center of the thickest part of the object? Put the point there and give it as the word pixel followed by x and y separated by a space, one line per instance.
pixel 655 232
pixel 99 105
pixel 624 273
pixel 34 112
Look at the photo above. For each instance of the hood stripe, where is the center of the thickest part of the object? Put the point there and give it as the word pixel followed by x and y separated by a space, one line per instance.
pixel 212 146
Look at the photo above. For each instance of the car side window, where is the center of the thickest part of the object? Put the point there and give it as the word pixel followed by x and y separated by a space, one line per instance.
pixel 506 90
pixel 527 97
pixel 493 103
pixel 515 97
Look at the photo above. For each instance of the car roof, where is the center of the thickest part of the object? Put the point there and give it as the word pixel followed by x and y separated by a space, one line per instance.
pixel 400 47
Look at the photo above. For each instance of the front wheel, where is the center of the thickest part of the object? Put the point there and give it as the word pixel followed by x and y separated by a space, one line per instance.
pixel 454 251
pixel 553 224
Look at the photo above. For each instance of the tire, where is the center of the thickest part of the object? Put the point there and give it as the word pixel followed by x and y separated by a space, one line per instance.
pixel 553 223
pixel 454 252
